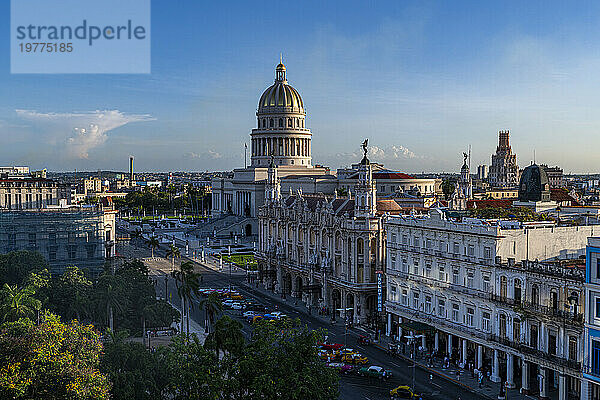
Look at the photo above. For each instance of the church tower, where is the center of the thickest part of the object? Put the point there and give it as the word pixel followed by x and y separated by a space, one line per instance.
pixel 273 185
pixel 365 202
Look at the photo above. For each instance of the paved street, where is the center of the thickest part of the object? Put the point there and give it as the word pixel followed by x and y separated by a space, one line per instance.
pixel 352 386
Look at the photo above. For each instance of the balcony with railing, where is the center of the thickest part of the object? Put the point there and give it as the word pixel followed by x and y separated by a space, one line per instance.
pixel 552 312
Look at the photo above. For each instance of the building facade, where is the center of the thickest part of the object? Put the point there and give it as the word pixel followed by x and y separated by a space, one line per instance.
pixel 27 193
pixel 326 251
pixel 504 171
pixel 591 365
pixel 458 284
pixel 81 236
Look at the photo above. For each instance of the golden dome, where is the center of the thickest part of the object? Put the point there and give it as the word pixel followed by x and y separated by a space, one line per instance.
pixel 280 95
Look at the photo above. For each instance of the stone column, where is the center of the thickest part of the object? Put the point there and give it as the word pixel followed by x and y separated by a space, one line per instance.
pixel 464 353
pixel 449 345
pixel 479 357
pixel 525 377
pixel 543 383
pixel 495 367
pixel 388 331
pixel 424 341
pixel 279 288
pixel 344 304
pixel 436 341
pixel 510 371
pixel 399 332
pixel 562 387
pixel 585 390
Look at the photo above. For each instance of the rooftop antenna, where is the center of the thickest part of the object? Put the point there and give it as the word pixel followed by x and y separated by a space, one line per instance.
pixel 534 156
pixel 280 58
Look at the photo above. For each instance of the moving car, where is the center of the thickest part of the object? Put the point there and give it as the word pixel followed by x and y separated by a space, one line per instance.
pixel 237 306
pixel 375 371
pixel 404 392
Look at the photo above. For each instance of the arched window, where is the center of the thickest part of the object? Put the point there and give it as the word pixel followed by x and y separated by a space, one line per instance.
pixel 503 284
pixel 297 123
pixel 271 123
pixel 289 123
pixel 264 122
pixel 281 122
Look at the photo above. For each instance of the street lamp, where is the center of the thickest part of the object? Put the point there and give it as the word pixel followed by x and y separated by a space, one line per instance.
pixel 229 254
pixel 345 323
pixel 413 340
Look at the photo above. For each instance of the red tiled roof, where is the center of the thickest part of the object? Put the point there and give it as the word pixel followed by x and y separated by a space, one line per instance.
pixel 497 203
pixel 562 195
pixel 391 175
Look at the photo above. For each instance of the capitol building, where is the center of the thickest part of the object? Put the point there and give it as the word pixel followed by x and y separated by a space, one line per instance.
pixel 282 138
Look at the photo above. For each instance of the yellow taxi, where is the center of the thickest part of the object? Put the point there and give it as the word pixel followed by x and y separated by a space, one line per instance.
pixel 354 358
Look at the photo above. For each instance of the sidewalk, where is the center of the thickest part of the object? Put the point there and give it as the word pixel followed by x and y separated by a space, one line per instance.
pixel 458 376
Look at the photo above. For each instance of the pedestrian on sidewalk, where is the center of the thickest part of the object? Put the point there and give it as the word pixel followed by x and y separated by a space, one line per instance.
pixel 480 379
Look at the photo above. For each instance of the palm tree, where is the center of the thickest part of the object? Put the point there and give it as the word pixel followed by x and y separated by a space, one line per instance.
pixel 227 336
pixel 111 297
pixel 153 244
pixel 137 234
pixel 174 253
pixel 18 303
pixel 212 305
pixel 187 282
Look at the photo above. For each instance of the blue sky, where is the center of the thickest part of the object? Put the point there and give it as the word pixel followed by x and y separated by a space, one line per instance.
pixel 422 80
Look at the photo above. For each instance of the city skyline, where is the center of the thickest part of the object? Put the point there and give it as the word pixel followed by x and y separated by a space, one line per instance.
pixel 422 81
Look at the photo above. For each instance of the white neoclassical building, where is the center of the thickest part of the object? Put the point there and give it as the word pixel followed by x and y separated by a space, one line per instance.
pixel 459 284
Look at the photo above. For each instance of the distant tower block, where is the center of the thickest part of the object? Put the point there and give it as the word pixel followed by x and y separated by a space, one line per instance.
pixel 131 168
pixel 503 140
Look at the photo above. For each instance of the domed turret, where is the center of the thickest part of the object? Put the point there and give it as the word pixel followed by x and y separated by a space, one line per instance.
pixel 280 130
pixel 534 185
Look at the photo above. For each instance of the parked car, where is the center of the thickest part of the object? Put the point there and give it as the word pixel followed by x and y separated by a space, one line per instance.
pixel 404 392
pixel 354 358
pixel 249 314
pixel 331 346
pixel 375 371
pixel 256 307
pixel 341 367
pixel 326 356
pixel 276 315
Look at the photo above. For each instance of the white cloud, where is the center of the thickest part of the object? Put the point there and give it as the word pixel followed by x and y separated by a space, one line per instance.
pixel 210 154
pixel 390 153
pixel 79 132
